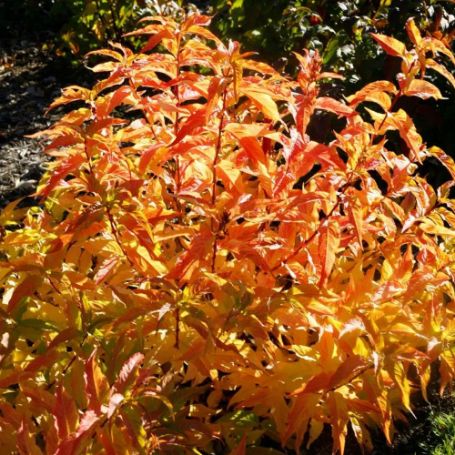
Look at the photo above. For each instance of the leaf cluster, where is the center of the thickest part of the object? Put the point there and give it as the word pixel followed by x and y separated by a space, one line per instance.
pixel 203 276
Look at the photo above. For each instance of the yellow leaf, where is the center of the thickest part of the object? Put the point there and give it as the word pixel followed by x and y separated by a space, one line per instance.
pixel 413 32
pixel 263 101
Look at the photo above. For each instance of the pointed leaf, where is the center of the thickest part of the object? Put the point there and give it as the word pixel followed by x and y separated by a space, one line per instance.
pixel 422 89
pixel 390 45
pixel 329 240
pixel 127 370
pixel 263 101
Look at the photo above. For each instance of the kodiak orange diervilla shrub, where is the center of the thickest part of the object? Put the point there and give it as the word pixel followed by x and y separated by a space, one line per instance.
pixel 203 277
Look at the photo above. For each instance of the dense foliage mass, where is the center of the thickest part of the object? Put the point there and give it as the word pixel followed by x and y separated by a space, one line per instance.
pixel 339 30
pixel 204 277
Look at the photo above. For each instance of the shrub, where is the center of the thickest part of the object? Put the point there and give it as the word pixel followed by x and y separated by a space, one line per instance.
pixel 201 276
pixel 440 437
pixel 338 30
pixel 93 23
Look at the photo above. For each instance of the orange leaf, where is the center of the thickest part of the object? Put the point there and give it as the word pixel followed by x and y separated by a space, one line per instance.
pixel 95 383
pixel 350 368
pixel 113 101
pixel 26 444
pixel 357 221
pixel 329 240
pixel 195 120
pixel 71 94
pixel 204 32
pixel 156 39
pixel 74 443
pixel 371 91
pixel 315 384
pixel 263 101
pixel 238 71
pixel 441 69
pixel 105 269
pixel 339 418
pixel 422 89
pixel 65 413
pixel 445 159
pixel 413 32
pixel 43 360
pixel 332 105
pixel 69 165
pixel 390 45
pixel 253 149
pixel 127 370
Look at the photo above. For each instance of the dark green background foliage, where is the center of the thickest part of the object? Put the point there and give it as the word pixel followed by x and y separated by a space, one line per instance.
pixel 339 30
pixel 273 28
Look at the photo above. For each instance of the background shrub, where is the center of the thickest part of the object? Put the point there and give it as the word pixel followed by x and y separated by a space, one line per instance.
pixel 202 273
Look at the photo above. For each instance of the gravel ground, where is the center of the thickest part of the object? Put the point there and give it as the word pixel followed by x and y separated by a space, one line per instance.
pixel 30 78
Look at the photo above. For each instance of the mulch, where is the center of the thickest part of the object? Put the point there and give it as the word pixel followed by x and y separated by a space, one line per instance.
pixel 30 78
pixel 26 87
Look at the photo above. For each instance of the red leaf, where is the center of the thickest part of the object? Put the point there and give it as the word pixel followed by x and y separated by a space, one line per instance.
pixel 195 120
pixel 39 396
pixel 65 413
pixel 241 448
pixel 105 438
pixel 73 444
pixel 26 444
pixel 95 383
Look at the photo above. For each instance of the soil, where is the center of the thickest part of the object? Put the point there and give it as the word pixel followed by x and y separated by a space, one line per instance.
pixel 25 90
pixel 30 78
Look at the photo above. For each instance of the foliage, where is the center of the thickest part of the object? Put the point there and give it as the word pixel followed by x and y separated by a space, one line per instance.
pixel 441 440
pixel 202 276
pixel 339 30
pixel 95 22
